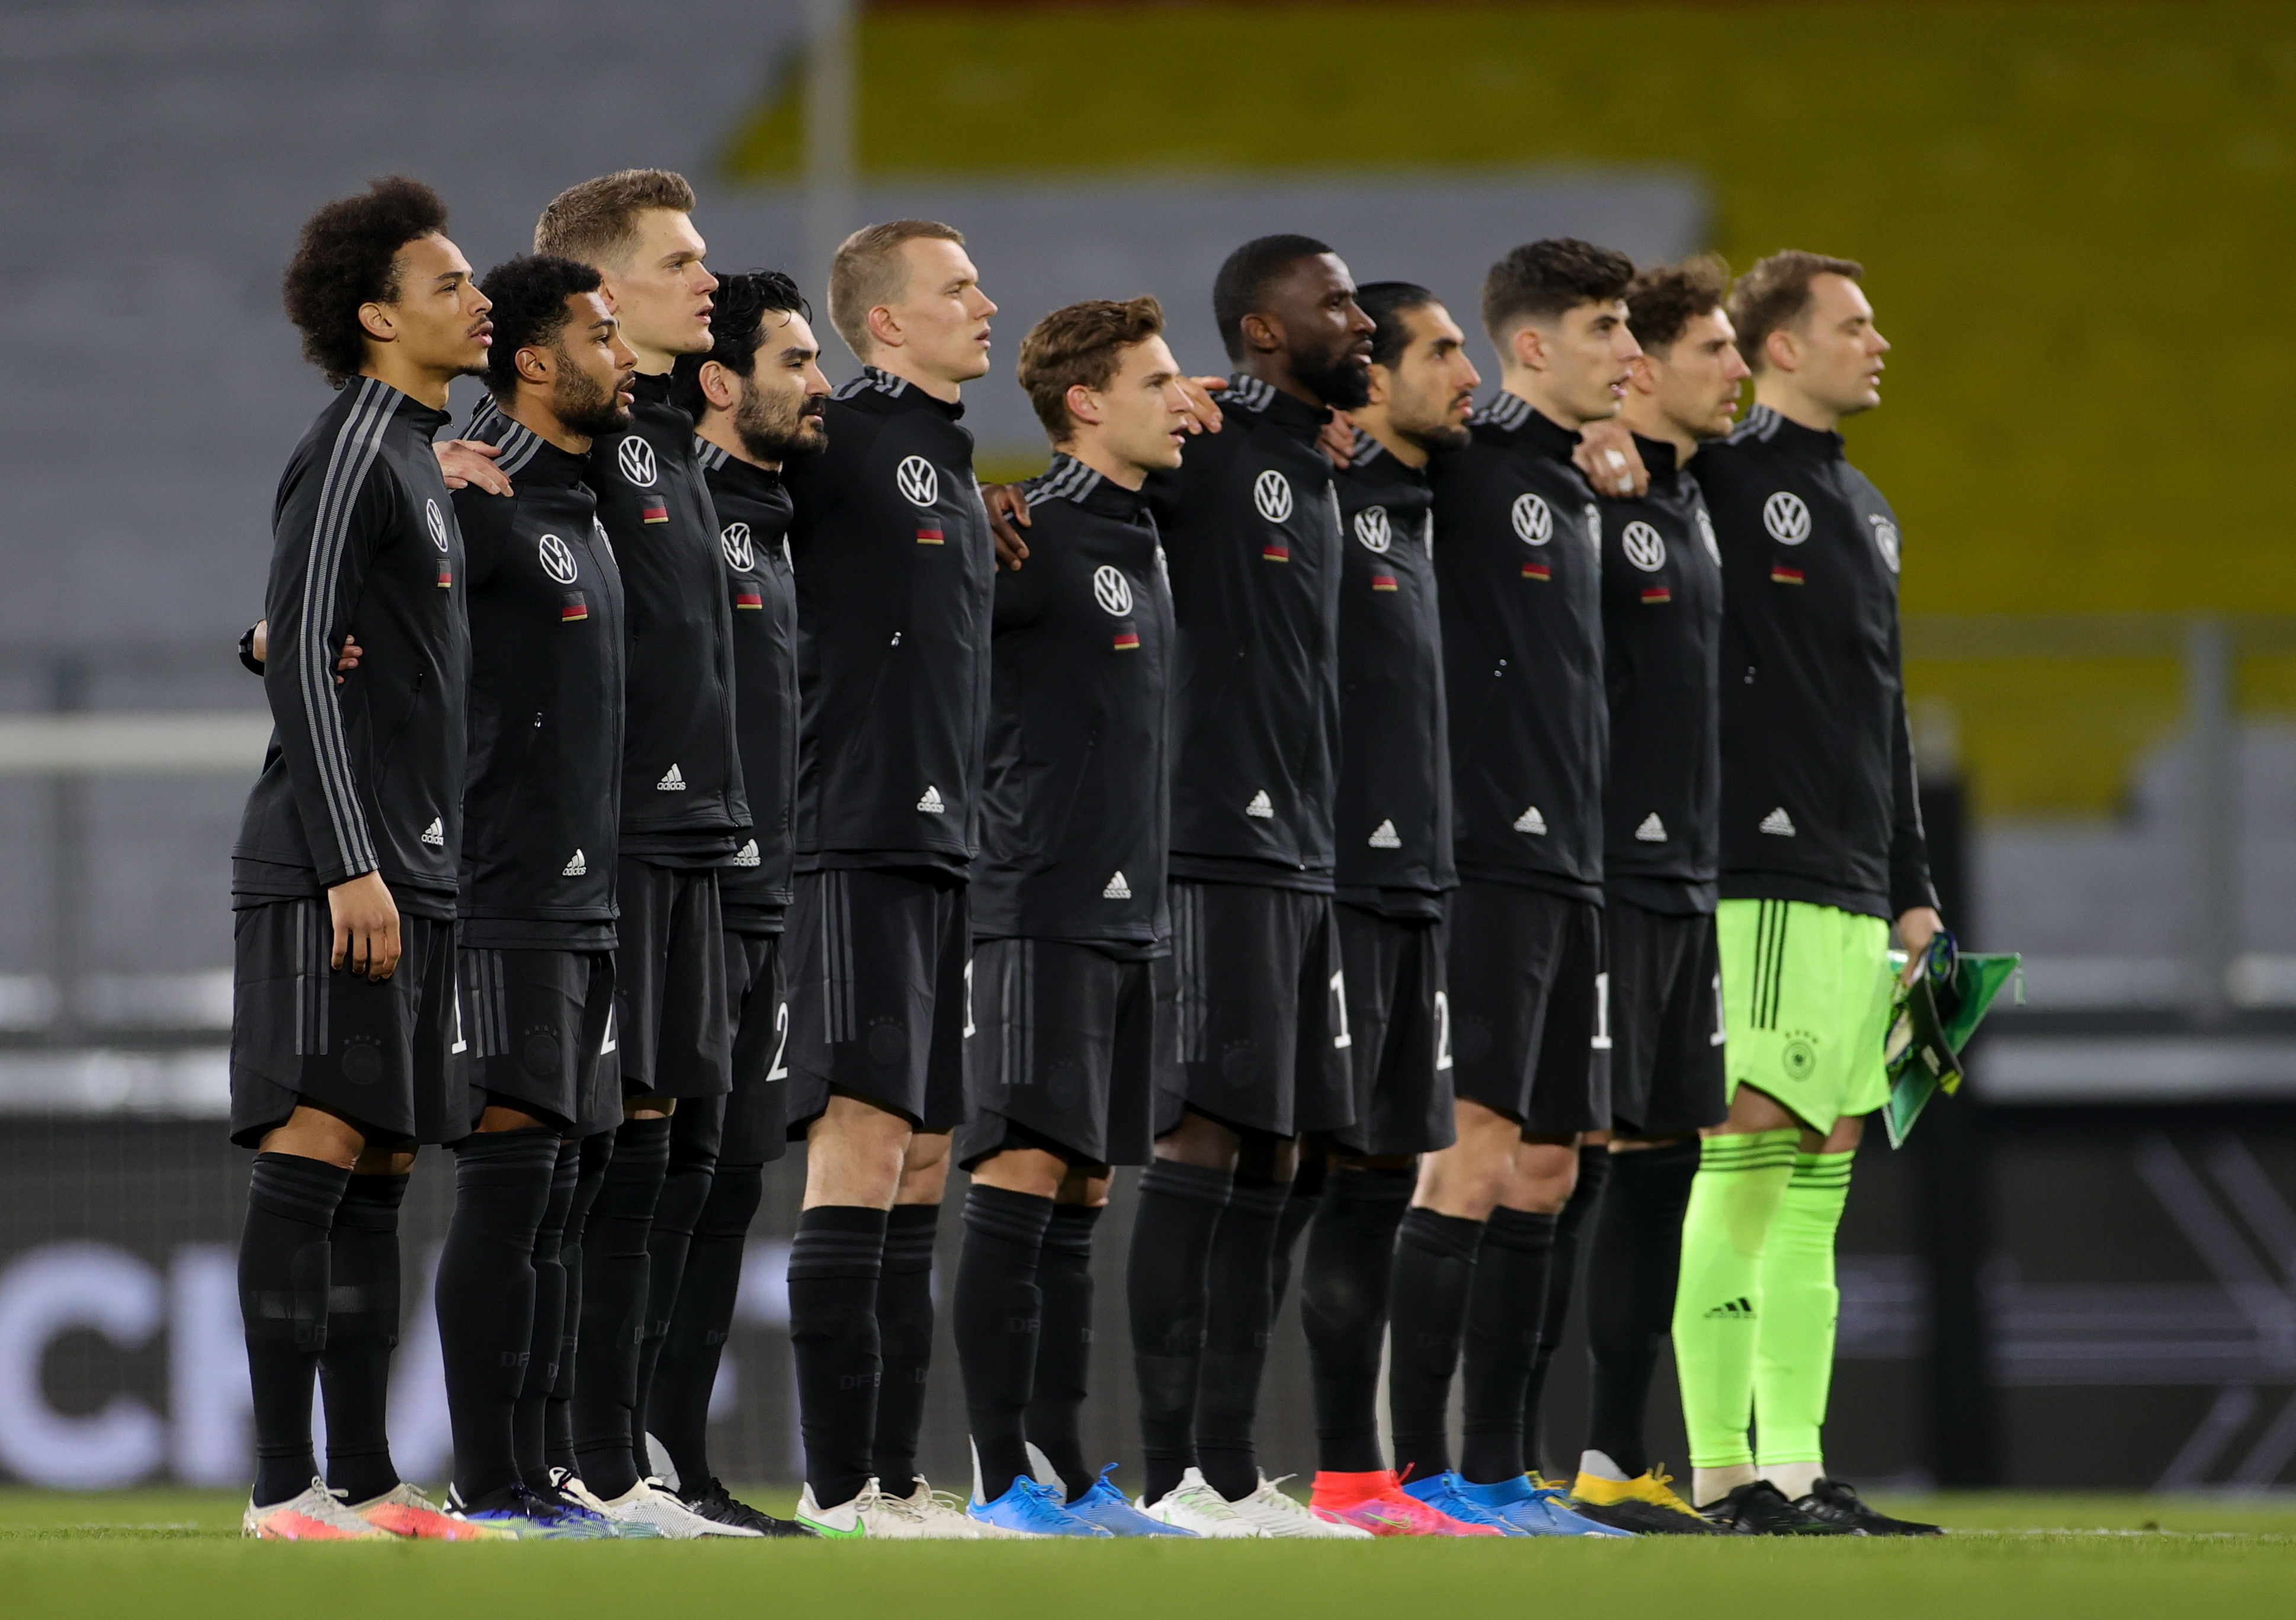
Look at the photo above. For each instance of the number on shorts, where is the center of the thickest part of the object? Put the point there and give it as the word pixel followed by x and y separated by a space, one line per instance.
pixel 968 998
pixel 608 1043
pixel 1442 1030
pixel 1602 1042
pixel 1342 1039
pixel 1720 1037
pixel 460 1045
pixel 778 1069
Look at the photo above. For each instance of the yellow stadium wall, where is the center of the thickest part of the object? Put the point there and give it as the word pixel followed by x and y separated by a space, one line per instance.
pixel 2076 220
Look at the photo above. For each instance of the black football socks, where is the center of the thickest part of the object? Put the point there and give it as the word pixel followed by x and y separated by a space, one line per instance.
pixel 1562 1284
pixel 835 1262
pixel 1164 1286
pixel 905 1332
pixel 678 1407
pixel 694 1131
pixel 1299 1211
pixel 1238 1319
pixel 558 1416
pixel 485 1296
pixel 998 1315
pixel 1634 1261
pixel 363 1296
pixel 1435 1257
pixel 528 1418
pixel 1064 1346
pixel 1344 1288
pixel 283 1302
pixel 1504 1309
pixel 613 1307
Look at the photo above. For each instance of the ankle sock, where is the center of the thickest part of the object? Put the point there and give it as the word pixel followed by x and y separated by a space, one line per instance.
pixel 363 1296
pixel 1164 1286
pixel 282 1303
pixel 835 1262
pixel 1343 1291
pixel 1435 1259
pixel 1734 1202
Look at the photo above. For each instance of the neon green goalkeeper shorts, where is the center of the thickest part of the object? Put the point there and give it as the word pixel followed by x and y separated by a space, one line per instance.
pixel 1805 1006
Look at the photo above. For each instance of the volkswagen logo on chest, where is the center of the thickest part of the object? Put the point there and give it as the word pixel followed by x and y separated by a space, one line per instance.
pixel 557 558
pixel 635 456
pixel 1372 528
pixel 1644 546
pixel 1786 518
pixel 1271 492
pixel 1112 589
pixel 435 522
pixel 918 483
pixel 1534 524
pixel 741 555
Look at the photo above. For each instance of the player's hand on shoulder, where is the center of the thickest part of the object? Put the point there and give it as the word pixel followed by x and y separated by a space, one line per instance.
pixel 1607 456
pixel 1338 440
pixel 1008 515
pixel 1204 415
pixel 465 461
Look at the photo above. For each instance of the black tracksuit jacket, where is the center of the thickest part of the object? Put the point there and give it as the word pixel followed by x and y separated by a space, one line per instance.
pixel 1393 823
pixel 542 809
pixel 1077 799
pixel 683 803
pixel 1818 796
pixel 1661 628
pixel 895 568
pixel 367 775
pixel 753 515
pixel 1518 560
pixel 1251 530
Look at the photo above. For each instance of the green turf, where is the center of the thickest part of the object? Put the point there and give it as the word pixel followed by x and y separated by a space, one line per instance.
pixel 174 1553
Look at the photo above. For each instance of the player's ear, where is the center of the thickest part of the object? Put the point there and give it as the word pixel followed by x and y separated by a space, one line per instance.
pixel 1528 347
pixel 1781 348
pixel 1380 381
pixel 532 364
pixel 717 387
pixel 1640 377
pixel 884 326
pixel 378 321
pixel 1084 406
pixel 1261 334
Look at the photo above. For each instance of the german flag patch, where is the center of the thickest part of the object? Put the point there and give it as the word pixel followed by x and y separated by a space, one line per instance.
pixel 1383 582
pixel 1126 641
pixel 446 576
pixel 1655 594
pixel 653 508
pixel 930 537
pixel 1538 570
pixel 1275 550
pixel 1780 574
pixel 573 607
pixel 748 596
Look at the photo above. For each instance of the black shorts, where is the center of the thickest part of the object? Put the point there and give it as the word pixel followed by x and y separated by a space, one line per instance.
pixel 1524 1006
pixel 1063 1055
pixel 1397 1014
pixel 876 985
pixel 1665 979
pixel 1261 1036
pixel 531 1026
pixel 378 1055
pixel 671 1031
pixel 757 1131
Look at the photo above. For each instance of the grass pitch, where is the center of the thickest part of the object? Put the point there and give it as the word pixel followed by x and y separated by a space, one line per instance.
pixel 177 1554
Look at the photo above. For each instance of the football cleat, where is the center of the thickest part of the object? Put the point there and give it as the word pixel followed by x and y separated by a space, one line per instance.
pixel 1194 1506
pixel 1445 1492
pixel 521 1513
pixel 1028 1509
pixel 1376 1502
pixel 1836 1503
pixel 1279 1514
pixel 943 1515
pixel 1105 1505
pixel 1528 1506
pixel 316 1515
pixel 1757 1508
pixel 721 1507
pixel 405 1510
pixel 1646 1503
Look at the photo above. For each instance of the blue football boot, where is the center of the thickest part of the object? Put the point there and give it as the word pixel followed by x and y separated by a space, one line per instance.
pixel 1030 1510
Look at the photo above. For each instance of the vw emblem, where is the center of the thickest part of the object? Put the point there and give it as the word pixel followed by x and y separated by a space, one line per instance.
pixel 1786 518
pixel 1706 533
pixel 1371 529
pixel 1885 536
pixel 436 521
pixel 557 558
pixel 1273 496
pixel 1532 521
pixel 635 457
pixel 1112 589
pixel 919 484
pixel 1644 546
pixel 740 556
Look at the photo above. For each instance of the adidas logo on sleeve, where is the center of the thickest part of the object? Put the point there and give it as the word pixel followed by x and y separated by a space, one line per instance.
pixel 1117 889
pixel 1651 831
pixel 435 834
pixel 931 804
pixel 1384 837
pixel 577 868
pixel 1778 824
pixel 1531 822
pixel 1261 806
pixel 672 781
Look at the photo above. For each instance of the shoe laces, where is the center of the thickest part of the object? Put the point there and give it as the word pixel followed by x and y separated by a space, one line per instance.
pixel 876 1498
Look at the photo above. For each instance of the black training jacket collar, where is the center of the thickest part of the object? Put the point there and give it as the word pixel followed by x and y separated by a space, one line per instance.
pixel 1272 404
pixel 882 389
pixel 1519 419
pixel 527 457
pixel 1766 425
pixel 1657 456
pixel 1070 480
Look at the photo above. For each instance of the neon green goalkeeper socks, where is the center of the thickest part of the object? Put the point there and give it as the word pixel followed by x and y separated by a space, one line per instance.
pixel 1734 1203
pixel 1793 1362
